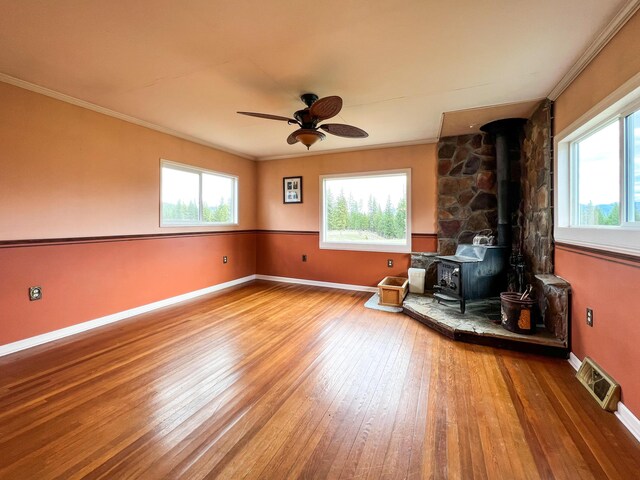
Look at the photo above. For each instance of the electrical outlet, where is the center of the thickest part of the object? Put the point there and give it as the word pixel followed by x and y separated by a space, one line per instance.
pixel 589 317
pixel 225 259
pixel 304 257
pixel 35 293
pixel 390 263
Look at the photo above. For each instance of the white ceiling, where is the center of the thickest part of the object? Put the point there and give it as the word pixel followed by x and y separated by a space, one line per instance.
pixel 189 65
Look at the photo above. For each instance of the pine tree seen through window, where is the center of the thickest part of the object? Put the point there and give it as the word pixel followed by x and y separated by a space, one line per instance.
pixel 192 196
pixel 366 210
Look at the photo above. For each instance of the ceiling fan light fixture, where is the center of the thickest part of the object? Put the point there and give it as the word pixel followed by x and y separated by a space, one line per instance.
pixel 318 110
pixel 308 137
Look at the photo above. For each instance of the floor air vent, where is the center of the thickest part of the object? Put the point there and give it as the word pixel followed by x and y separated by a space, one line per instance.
pixel 600 385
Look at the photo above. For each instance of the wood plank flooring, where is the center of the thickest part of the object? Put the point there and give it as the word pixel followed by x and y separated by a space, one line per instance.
pixel 278 381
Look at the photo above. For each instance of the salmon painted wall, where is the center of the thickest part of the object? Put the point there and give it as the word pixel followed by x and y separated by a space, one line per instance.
pixel 280 249
pixel 272 214
pixel 68 172
pixel 616 63
pixel 280 253
pixel 84 281
pixel 72 172
pixel 601 281
pixel 608 286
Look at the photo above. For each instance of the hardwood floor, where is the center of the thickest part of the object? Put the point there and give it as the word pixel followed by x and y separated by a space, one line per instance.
pixel 282 381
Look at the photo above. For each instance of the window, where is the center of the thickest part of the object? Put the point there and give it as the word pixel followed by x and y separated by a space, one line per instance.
pixel 633 166
pixel 598 177
pixel 596 163
pixel 366 211
pixel 605 173
pixel 192 196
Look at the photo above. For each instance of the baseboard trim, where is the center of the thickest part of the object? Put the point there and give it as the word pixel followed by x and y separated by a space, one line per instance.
pixel 628 419
pixel 115 317
pixel 574 361
pixel 626 416
pixel 316 283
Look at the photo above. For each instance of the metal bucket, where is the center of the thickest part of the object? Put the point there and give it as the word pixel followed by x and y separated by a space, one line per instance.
pixel 518 315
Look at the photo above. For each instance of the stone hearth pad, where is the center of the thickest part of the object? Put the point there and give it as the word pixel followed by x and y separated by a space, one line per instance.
pixel 374 303
pixel 479 324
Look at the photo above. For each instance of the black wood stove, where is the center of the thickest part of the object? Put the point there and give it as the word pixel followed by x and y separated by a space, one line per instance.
pixel 474 272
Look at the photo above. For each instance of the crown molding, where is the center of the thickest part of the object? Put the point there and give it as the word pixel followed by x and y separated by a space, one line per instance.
pixel 112 113
pixel 623 15
pixel 143 123
pixel 441 125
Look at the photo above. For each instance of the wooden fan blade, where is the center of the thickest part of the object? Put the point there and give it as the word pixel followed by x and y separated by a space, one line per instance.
pixel 291 139
pixel 326 107
pixel 268 116
pixel 342 130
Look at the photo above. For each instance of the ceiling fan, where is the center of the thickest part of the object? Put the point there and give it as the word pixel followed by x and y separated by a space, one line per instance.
pixel 308 118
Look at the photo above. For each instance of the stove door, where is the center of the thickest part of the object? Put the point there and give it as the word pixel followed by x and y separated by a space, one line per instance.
pixel 449 278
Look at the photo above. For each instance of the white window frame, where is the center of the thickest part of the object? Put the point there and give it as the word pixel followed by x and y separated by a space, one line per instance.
pixel 199 171
pixel 368 247
pixel 624 238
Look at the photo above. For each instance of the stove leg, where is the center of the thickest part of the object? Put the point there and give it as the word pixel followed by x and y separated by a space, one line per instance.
pixel 463 306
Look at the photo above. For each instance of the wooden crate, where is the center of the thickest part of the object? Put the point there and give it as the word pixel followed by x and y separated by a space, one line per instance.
pixel 392 291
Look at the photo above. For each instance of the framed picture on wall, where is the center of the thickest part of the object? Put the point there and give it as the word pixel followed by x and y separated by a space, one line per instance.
pixel 292 190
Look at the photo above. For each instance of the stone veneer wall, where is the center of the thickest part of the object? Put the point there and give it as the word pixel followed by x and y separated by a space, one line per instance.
pixel 467 204
pixel 536 215
pixel 466 189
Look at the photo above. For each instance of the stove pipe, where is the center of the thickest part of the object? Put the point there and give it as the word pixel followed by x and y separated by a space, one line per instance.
pixel 507 133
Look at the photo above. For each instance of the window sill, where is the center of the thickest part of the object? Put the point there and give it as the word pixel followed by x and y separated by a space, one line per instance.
pixel 365 247
pixel 624 240
pixel 180 225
